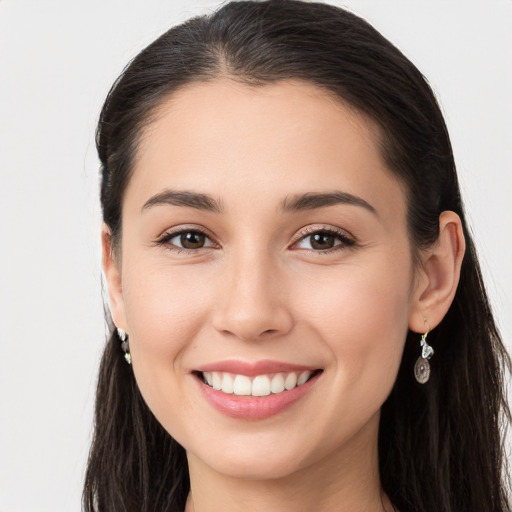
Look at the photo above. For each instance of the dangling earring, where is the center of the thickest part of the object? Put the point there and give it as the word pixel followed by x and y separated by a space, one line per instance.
pixel 422 366
pixel 124 345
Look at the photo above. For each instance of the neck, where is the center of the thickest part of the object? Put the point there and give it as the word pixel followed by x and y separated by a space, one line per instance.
pixel 344 480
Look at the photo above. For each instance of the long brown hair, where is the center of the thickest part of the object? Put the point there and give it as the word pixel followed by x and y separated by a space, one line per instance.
pixel 440 445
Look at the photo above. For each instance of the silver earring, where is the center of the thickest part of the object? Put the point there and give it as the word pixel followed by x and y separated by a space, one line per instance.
pixel 422 366
pixel 125 346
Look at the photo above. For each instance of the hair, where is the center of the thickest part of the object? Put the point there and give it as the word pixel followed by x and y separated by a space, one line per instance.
pixel 440 444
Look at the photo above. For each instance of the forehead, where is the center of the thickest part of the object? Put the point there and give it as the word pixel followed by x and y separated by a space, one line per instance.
pixel 289 137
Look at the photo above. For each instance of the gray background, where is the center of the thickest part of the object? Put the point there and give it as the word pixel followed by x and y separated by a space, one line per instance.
pixel 57 61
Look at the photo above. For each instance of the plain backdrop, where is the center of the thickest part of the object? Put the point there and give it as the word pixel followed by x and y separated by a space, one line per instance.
pixel 57 62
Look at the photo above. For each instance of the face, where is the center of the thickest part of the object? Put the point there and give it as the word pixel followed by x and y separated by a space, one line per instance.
pixel 264 241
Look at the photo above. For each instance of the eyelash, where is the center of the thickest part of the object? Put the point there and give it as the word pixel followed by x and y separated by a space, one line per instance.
pixel 346 240
pixel 165 239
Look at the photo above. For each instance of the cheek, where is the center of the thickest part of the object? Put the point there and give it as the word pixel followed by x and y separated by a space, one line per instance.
pixel 164 306
pixel 165 309
pixel 361 313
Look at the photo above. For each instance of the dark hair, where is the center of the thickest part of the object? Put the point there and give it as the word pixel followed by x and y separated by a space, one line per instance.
pixel 440 445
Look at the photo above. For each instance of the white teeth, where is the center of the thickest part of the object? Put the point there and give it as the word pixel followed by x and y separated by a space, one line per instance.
pixel 261 385
pixel 277 385
pixel 242 385
pixel 227 384
pixel 217 380
pixel 303 378
pixel 290 381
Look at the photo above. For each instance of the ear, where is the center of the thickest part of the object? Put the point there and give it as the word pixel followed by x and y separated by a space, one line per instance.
pixel 111 269
pixel 439 275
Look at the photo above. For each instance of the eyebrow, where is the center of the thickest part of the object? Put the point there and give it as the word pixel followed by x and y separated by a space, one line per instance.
pixel 185 198
pixel 311 201
pixel 299 202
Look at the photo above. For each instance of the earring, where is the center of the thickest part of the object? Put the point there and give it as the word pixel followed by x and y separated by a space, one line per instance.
pixel 422 366
pixel 124 345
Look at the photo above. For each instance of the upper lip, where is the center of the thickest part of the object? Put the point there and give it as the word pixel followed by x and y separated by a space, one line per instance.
pixel 252 369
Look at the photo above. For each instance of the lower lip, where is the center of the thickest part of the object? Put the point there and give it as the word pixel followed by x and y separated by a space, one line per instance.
pixel 254 407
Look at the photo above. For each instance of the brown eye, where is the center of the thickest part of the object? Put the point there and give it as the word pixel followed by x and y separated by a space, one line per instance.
pixel 188 239
pixel 192 240
pixel 321 241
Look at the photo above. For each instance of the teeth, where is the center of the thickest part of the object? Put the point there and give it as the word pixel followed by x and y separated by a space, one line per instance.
pixel 227 384
pixel 290 381
pixel 277 385
pixel 242 385
pixel 303 377
pixel 217 380
pixel 261 385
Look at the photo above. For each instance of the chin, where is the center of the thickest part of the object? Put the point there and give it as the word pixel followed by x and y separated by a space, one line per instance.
pixel 256 467
pixel 260 461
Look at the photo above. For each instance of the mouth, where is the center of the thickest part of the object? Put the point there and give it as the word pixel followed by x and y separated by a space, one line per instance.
pixel 257 385
pixel 255 390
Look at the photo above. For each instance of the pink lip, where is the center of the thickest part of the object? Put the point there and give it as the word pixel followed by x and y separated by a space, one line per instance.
pixel 253 369
pixel 254 407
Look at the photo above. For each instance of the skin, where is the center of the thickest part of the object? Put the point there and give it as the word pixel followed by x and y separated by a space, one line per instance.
pixel 259 290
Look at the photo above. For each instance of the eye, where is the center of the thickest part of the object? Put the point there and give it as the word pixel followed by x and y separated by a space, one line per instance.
pixel 324 240
pixel 187 239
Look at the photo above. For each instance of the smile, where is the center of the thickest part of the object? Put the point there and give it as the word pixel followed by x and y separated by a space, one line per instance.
pixel 259 385
pixel 254 391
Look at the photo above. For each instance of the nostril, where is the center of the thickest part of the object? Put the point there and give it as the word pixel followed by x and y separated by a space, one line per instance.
pixel 251 319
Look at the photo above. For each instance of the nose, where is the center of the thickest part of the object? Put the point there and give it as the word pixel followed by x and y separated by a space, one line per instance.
pixel 253 302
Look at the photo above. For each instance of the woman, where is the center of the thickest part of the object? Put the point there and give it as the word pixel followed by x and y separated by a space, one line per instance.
pixel 301 322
